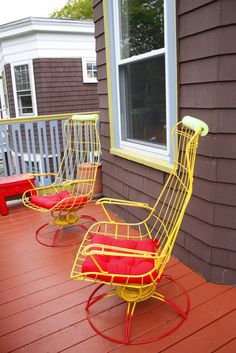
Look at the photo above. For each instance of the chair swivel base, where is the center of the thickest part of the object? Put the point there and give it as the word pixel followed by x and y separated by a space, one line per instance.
pixel 55 238
pixel 132 298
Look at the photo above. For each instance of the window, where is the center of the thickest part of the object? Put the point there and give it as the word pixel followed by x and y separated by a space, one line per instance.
pixel 24 96
pixel 140 37
pixel 89 70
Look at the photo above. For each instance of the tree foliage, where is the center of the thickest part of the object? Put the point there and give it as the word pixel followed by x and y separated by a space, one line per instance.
pixel 79 9
pixel 143 23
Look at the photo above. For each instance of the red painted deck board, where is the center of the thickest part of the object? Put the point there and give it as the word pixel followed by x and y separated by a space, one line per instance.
pixel 42 310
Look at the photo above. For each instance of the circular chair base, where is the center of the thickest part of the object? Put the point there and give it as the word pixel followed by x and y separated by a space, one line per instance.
pixel 55 238
pixel 127 339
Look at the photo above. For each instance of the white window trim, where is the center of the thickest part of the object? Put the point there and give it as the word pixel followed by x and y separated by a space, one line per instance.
pixel 32 87
pixel 87 79
pixel 123 148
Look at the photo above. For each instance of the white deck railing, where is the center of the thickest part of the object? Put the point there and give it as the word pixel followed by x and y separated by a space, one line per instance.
pixel 32 145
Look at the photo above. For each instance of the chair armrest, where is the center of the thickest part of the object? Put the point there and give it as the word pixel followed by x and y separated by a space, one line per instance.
pixel 110 250
pixel 107 201
pixel 28 175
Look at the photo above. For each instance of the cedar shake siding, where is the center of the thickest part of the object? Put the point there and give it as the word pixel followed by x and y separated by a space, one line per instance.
pixel 60 88
pixel 206 32
pixel 11 103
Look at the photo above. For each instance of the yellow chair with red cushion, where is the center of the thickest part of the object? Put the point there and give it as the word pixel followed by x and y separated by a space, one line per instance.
pixel 74 183
pixel 131 257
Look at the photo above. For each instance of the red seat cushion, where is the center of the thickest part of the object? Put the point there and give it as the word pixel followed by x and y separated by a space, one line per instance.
pixel 119 265
pixel 49 201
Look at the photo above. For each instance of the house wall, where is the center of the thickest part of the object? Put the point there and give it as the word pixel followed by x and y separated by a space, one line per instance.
pixel 60 89
pixel 56 47
pixel 10 95
pixel 206 87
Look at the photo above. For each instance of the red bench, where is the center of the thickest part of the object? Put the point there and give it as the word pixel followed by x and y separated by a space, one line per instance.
pixel 13 185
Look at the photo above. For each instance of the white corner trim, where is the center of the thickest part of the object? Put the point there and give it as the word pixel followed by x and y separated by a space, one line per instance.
pixel 40 24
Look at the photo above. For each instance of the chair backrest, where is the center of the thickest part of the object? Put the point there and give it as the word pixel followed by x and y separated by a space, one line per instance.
pixel 165 219
pixel 82 156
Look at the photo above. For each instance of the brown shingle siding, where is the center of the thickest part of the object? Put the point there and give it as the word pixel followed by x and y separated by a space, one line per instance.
pixel 198 229
pixel 207 90
pixel 101 57
pixel 226 170
pixel 207 85
pixel 99 27
pixel 224 258
pixel 225 216
pixel 98 14
pixel 102 74
pixel 100 42
pixel 221 235
pixel 222 275
pixel 202 19
pixel 208 95
pixel 189 5
pixel 193 261
pixel 60 88
pixel 11 102
pixel 228 10
pixel 214 42
pixel 198 248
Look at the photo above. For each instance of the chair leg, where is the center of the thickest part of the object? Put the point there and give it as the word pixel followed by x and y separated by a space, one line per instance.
pixel 61 224
pixel 129 315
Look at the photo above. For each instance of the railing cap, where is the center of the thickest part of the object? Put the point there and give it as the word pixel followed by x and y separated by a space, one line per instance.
pixel 83 117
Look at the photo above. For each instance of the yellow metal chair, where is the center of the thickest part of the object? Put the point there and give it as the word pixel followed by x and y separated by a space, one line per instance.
pixel 74 183
pixel 132 257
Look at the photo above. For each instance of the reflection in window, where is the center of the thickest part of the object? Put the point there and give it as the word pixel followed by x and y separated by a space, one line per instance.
pixel 23 89
pixel 141 26
pixel 142 78
pixel 143 101
pixel 91 70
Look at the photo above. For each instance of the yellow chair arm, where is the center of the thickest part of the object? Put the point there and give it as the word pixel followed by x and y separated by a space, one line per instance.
pixel 28 175
pixel 107 201
pixel 101 249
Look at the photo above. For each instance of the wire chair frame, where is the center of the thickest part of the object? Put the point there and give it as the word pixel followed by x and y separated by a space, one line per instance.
pixel 160 227
pixel 76 176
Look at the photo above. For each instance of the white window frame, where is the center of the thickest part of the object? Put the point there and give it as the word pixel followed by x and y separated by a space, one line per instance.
pixel 133 150
pixel 32 88
pixel 87 79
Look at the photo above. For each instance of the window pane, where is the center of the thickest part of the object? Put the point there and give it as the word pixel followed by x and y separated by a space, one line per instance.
pixel 25 103
pixel 143 106
pixel 22 77
pixel 141 26
pixel 89 66
pixel 91 70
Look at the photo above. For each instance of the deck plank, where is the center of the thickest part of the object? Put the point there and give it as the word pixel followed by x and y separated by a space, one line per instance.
pixel 229 347
pixel 200 342
pixel 42 310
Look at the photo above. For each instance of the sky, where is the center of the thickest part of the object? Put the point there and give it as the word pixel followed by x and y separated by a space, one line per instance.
pixel 12 10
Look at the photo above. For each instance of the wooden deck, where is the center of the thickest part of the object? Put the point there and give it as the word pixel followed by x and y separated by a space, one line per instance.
pixel 42 310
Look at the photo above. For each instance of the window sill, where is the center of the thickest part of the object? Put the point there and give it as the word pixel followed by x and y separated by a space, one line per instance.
pixel 155 163
pixel 90 81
